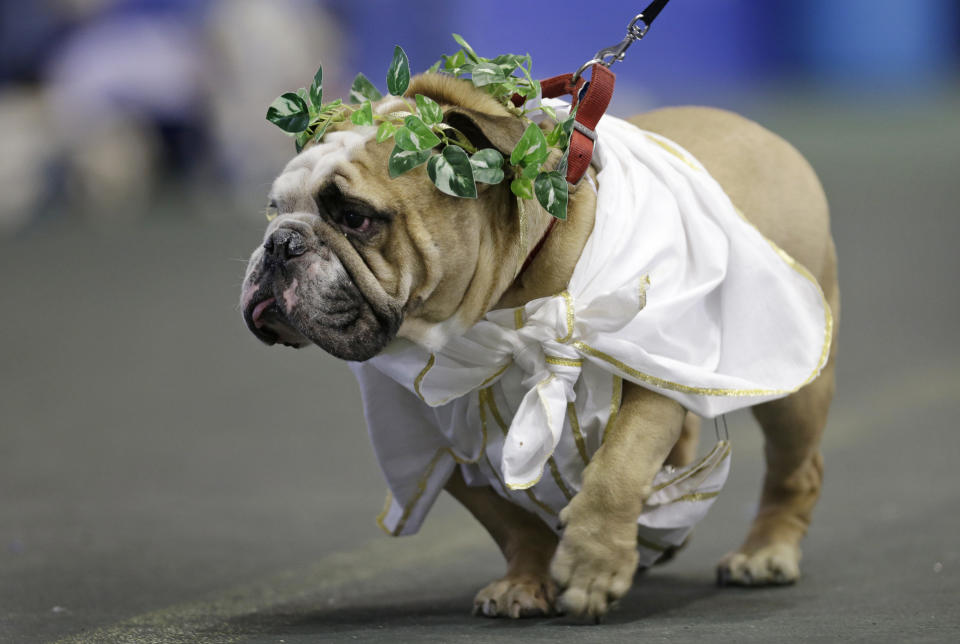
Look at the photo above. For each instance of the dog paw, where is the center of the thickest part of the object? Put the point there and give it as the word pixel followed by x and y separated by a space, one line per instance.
pixel 524 595
pixel 776 564
pixel 594 563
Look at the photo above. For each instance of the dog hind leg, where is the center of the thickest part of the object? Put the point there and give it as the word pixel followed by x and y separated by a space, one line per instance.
pixel 792 428
pixel 685 449
pixel 527 590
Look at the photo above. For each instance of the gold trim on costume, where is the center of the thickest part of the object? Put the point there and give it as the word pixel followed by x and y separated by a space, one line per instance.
pixel 563 362
pixel 650 545
pixel 615 403
pixel 558 479
pixel 483 426
pixel 577 432
pixel 722 446
pixel 518 318
pixel 696 496
pixel 634 374
pixel 421 489
pixel 419 379
pixel 383 514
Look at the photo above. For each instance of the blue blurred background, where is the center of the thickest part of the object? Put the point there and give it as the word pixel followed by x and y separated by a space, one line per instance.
pixel 105 102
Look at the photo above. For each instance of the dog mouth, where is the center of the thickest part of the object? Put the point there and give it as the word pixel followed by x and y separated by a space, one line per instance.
pixel 301 298
pixel 267 321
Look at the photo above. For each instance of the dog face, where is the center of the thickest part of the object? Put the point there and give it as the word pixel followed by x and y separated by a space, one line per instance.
pixel 355 258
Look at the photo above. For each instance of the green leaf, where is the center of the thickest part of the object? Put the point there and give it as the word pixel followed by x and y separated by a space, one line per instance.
pixel 405 160
pixel 554 136
pixel 508 63
pixel 523 188
pixel 406 140
pixel 331 107
pixel 468 50
pixel 363 116
pixel 415 135
pixel 302 139
pixel 566 129
pixel 452 172
pixel 332 112
pixel 453 63
pixel 316 89
pixel 434 68
pixel 531 149
pixel 311 110
pixel 398 76
pixel 429 111
pixel 559 136
pixel 289 112
pixel 385 131
pixel 486 74
pixel 561 168
pixel 487 166
pixel 551 191
pixel 321 130
pixel 530 171
pixel 532 90
pixel 549 111
pixel 362 89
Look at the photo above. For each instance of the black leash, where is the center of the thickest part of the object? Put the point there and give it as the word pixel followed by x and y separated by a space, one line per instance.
pixel 636 30
pixel 652 11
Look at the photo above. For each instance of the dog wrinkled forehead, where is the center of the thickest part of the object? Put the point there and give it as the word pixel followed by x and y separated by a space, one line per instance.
pixel 307 171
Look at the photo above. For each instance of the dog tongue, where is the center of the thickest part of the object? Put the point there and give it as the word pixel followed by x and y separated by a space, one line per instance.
pixel 259 309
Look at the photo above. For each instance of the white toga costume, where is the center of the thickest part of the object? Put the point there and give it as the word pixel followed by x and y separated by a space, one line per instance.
pixel 674 291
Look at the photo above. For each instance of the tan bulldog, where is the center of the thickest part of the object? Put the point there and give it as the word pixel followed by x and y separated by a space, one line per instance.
pixel 355 259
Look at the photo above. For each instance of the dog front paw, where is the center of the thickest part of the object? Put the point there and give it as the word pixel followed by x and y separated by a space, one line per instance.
pixel 595 561
pixel 519 595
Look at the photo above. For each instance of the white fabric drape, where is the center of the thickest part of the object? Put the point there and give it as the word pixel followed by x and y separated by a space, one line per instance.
pixel 674 291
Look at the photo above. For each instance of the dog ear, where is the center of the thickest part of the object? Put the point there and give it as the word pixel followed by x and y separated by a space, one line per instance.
pixel 486 130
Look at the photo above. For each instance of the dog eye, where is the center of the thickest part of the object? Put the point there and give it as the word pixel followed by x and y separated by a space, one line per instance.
pixel 355 221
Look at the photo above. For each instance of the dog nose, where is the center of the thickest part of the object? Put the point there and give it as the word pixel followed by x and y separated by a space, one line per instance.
pixel 285 243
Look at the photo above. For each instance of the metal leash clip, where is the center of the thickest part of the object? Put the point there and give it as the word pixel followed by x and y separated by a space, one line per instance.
pixel 610 55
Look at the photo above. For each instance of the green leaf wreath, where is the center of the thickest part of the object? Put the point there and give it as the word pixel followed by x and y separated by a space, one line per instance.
pixel 454 164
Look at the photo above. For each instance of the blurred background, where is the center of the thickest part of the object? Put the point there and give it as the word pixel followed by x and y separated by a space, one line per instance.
pixel 153 454
pixel 103 102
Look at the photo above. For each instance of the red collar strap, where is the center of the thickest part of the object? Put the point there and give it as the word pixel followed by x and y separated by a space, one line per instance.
pixel 593 97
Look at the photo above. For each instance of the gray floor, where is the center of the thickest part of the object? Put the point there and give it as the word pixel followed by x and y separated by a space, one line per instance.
pixel 165 478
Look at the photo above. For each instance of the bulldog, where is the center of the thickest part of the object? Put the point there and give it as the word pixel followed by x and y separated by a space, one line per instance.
pixel 354 260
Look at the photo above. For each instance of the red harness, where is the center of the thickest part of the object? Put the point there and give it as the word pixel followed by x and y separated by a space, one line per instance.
pixel 593 103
